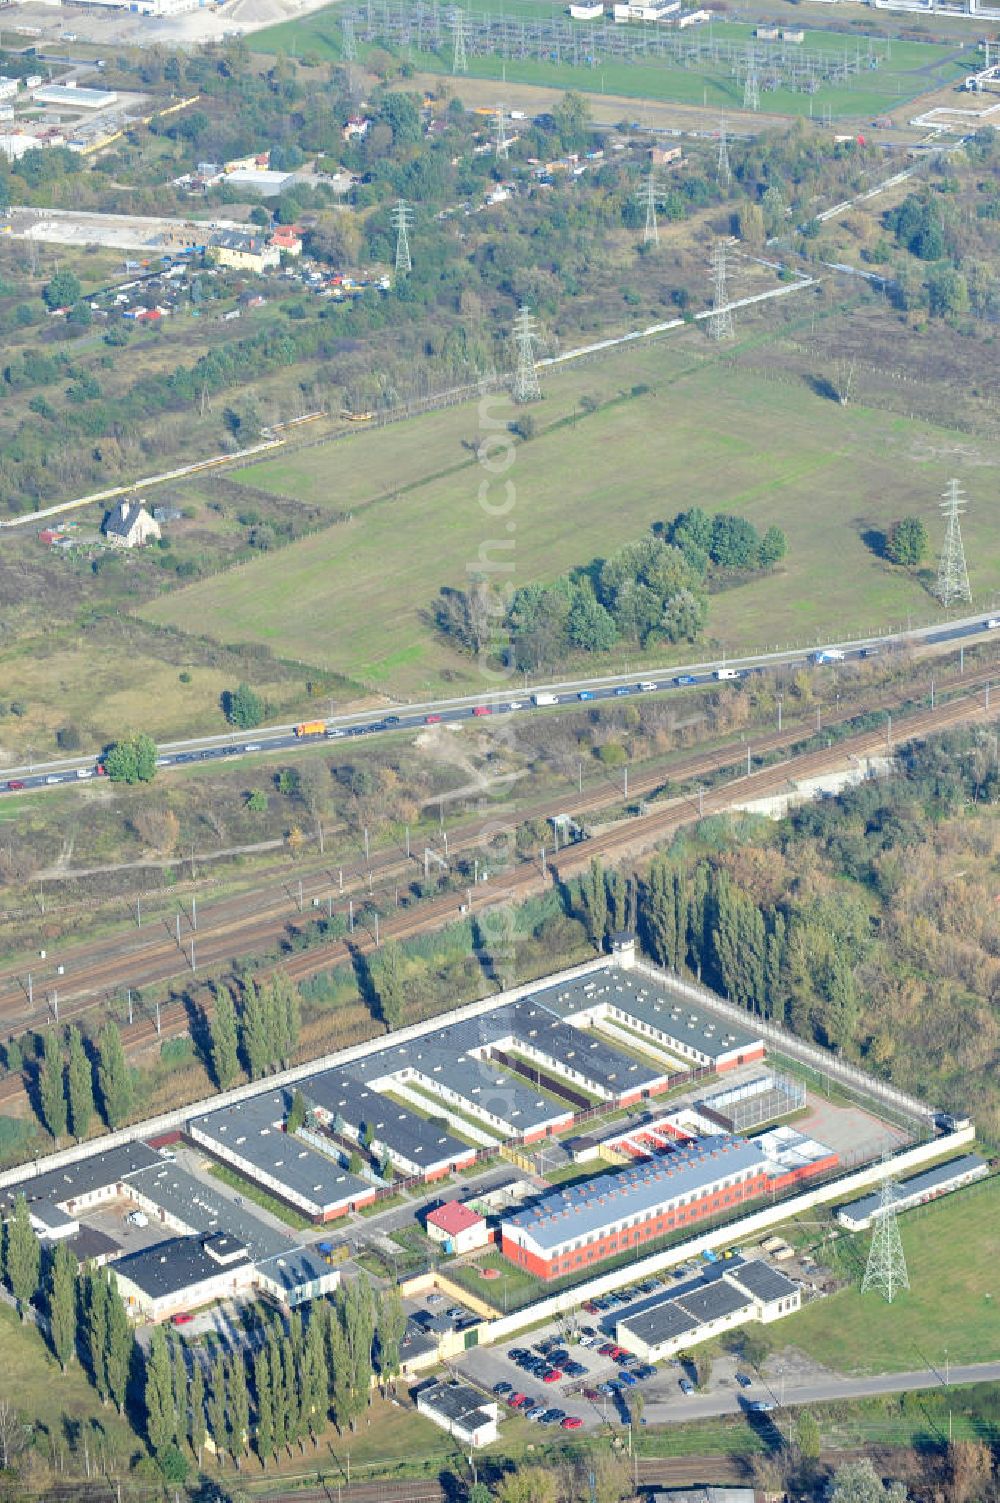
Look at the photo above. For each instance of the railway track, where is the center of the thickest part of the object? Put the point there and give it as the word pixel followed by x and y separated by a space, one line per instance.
pixel 629 838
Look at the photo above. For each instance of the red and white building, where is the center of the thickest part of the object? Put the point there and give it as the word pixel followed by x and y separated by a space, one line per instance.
pixel 602 1218
pixel 458 1228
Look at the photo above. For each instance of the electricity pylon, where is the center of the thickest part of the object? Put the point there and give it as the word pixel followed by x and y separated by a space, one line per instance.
pixel 402 218
pixel 347 33
pixel 503 145
pixel 751 89
pixel 886 1270
pixel 953 576
pixel 652 230
pixel 459 62
pixel 526 387
pixel 723 171
pixel 720 320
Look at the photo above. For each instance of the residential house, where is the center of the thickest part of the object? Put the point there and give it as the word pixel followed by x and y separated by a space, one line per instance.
pixel 457 1227
pixel 129 525
pixel 244 250
pixel 287 238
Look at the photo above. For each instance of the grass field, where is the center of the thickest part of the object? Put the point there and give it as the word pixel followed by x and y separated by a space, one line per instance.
pixel 906 70
pixel 357 598
pixel 952 1253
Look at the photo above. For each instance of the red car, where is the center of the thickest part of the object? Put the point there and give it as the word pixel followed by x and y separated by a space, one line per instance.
pixel 14 786
pixel 591 1308
pixel 182 1319
pixel 432 720
pixel 571 1422
pixel 483 710
pixel 517 1400
pixel 608 1349
pixel 553 1375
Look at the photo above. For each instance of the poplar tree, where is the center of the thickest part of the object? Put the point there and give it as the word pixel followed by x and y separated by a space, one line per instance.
pixel 179 1385
pixel 22 1256
pixel 61 1303
pixel 225 1049
pixel 96 1316
pixel 196 1411
pixel 239 1407
pixel 391 1329
pixel 340 1374
pixel 51 1087
pixel 617 902
pixel 79 1086
pixel 387 978
pixel 217 1409
pixel 113 1078
pixel 315 1379
pixel 159 1394
pixel 286 1013
pixel 595 903
pixel 358 1313
pixel 254 1043
pixel 280 1398
pixel 119 1343
pixel 265 1406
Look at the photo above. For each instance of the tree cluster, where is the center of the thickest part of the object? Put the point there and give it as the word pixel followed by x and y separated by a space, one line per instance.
pixel 259 1031
pixel 132 760
pixel 66 1069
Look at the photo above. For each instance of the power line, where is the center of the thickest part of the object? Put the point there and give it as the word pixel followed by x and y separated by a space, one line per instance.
pixel 526 387
pixel 953 576
pixel 723 171
pixel 459 63
pixel 720 320
pixel 886 1269
pixel 402 218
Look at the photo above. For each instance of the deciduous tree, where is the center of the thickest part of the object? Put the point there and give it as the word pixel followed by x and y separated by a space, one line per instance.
pixel 79 1086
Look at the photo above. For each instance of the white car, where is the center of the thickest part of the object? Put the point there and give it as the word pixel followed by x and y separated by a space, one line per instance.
pixel 516 704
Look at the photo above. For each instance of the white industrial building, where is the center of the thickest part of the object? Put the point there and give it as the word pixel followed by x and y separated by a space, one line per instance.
pixel 716 1302
pixel 462 1411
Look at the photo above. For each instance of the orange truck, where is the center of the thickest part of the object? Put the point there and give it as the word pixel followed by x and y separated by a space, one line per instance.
pixel 311 728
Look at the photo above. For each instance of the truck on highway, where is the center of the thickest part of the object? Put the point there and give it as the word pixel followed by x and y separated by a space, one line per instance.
pixel 545 699
pixel 726 673
pixel 828 655
pixel 311 728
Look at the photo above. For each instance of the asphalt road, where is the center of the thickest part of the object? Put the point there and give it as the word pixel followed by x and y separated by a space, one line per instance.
pixel 209 749
pixel 814 1390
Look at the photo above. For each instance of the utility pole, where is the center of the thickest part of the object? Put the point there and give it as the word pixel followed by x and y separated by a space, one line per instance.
pixel 402 218
pixel 953 576
pixel 526 387
pixel 723 171
pixel 720 321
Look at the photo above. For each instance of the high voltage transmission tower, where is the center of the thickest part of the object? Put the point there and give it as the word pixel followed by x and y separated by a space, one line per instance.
pixel 723 171
pixel 526 387
pixel 751 89
pixel 886 1269
pixel 652 230
pixel 503 144
pixel 402 218
pixel 720 320
pixel 459 62
pixel 347 32
pixel 953 576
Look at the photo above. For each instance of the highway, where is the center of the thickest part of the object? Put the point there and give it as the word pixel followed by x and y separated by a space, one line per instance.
pixel 210 749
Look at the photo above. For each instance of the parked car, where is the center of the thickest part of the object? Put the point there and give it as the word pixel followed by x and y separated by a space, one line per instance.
pixel 517 1400
pixel 686 1386
pixel 553 1416
pixel 571 1422
pixel 503 1389
pixel 744 1380
pixel 574 1369
pixel 182 1318
pixel 554 1375
pixel 761 1406
pixel 629 1379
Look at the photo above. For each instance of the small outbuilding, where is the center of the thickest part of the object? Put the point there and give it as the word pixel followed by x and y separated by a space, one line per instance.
pixel 457 1227
pixel 460 1410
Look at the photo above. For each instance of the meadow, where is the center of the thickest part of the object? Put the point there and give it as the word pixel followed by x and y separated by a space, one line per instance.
pixel 906 68
pixel 948 1313
pixel 672 428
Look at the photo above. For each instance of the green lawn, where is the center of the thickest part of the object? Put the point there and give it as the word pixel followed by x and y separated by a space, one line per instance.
pixel 357 598
pixel 906 70
pixel 952 1306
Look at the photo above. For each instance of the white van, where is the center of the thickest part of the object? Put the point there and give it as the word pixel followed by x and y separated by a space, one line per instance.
pixel 726 673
